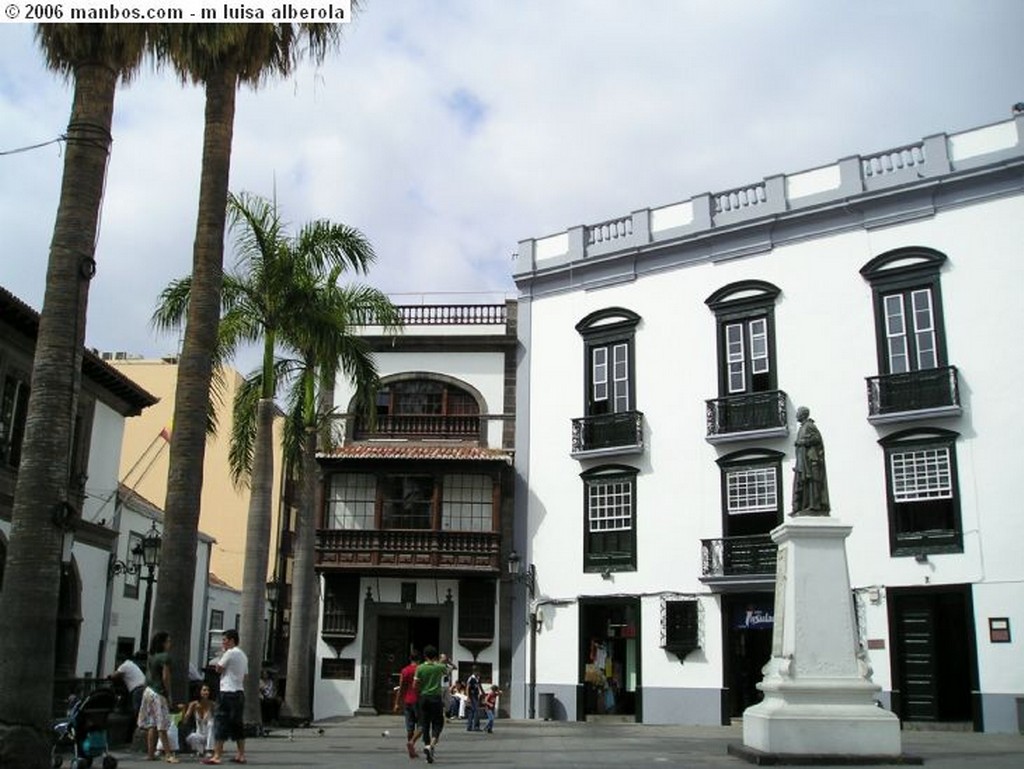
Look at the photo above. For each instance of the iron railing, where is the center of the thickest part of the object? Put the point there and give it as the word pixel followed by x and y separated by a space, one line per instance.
pixel 913 391
pixel 738 556
pixel 624 430
pixel 746 413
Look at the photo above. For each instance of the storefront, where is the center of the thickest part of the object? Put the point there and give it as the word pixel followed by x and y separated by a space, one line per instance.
pixel 749 619
pixel 609 658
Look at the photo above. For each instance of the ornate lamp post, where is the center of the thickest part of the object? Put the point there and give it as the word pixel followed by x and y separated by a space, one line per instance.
pixel 528 577
pixel 273 593
pixel 149 550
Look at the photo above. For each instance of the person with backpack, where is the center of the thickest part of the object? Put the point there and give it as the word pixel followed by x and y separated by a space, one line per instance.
pixel 473 692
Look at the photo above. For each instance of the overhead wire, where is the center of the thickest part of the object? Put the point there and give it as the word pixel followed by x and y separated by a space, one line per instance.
pixel 16 150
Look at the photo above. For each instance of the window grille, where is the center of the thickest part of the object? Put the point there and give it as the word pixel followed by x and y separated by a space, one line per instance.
pixel 921 474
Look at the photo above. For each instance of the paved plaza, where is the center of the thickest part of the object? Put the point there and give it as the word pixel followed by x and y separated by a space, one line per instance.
pixel 358 743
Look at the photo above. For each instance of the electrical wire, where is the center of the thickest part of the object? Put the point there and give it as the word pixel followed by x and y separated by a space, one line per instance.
pixel 61 138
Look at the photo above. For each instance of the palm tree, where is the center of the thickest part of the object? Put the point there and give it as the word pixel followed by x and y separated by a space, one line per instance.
pixel 220 57
pixel 322 336
pixel 258 300
pixel 94 58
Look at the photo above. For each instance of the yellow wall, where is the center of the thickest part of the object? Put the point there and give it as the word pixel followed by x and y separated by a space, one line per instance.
pixel 144 464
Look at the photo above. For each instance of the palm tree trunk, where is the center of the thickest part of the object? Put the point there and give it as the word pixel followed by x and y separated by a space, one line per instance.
pixel 173 609
pixel 257 554
pixel 301 632
pixel 28 602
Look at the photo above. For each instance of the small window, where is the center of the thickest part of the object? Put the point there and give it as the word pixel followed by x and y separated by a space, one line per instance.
pixel 921 482
pixel 340 669
pixel 609 518
pixel 680 626
pixel 13 410
pixel 216 619
pixel 476 609
pixel 352 501
pixel 133 557
pixel 751 492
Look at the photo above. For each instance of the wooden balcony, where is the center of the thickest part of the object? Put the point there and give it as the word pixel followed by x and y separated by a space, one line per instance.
pixel 929 393
pixel 408 551
pixel 608 434
pixel 738 563
pixel 747 416
pixel 457 426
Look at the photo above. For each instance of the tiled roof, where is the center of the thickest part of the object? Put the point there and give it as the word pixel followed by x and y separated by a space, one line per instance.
pixel 417 451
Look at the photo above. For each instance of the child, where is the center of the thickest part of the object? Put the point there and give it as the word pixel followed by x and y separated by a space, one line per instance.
pixel 491 707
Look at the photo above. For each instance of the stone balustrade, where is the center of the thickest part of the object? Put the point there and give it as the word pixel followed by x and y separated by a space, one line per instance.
pixel 844 180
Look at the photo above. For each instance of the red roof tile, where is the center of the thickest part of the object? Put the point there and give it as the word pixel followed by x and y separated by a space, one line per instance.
pixel 417 451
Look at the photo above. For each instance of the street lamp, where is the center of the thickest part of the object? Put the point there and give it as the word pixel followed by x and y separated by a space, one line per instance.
pixel 149 550
pixel 528 577
pixel 65 518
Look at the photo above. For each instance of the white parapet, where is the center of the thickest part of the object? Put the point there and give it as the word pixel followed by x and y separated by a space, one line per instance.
pixel 819 698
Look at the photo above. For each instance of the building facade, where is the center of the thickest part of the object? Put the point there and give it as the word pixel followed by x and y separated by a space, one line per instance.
pixel 665 354
pixel 416 509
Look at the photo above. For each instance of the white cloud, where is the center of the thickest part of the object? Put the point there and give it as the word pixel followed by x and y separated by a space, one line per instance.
pixel 448 131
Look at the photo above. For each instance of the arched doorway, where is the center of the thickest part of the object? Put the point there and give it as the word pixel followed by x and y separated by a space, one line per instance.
pixel 69 622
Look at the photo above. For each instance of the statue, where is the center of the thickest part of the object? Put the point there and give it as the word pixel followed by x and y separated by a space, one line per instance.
pixel 810 484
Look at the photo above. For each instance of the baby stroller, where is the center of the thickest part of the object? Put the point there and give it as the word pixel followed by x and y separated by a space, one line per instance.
pixel 84 731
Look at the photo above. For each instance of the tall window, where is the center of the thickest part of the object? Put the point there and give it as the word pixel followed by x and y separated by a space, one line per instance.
pixel 13 409
pixel 467 502
pixel 908 309
pixel 352 501
pixel 609 504
pixel 608 343
pixel 425 407
pixel 921 483
pixel 745 314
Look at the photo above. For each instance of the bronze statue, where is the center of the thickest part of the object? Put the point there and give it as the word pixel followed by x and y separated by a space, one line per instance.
pixel 810 484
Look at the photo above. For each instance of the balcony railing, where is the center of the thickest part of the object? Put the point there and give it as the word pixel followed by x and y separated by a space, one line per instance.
pixel 621 433
pixel 935 391
pixel 401 550
pixel 452 314
pixel 739 556
pixel 736 416
pixel 422 425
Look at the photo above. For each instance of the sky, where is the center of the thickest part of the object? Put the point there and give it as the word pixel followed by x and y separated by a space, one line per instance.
pixel 449 130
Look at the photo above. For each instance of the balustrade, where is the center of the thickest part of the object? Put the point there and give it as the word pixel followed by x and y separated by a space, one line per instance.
pixel 748 412
pixel 613 229
pixel 934 388
pixel 741 197
pixel 606 432
pixel 739 556
pixel 470 551
pixel 891 161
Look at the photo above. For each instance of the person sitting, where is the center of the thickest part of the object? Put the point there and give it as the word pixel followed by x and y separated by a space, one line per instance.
pixel 200 740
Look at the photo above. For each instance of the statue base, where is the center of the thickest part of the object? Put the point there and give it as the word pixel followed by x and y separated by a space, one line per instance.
pixel 818 695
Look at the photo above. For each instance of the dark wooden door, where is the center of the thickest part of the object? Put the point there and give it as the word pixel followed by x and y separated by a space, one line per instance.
pixel 915 639
pixel 392 656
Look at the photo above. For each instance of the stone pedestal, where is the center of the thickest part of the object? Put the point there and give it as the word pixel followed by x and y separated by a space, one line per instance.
pixel 818 695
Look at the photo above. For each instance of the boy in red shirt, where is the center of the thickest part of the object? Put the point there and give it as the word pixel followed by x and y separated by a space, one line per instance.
pixel 491 707
pixel 406 698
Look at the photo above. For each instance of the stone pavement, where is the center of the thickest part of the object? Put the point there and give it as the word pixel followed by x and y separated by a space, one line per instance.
pixel 359 743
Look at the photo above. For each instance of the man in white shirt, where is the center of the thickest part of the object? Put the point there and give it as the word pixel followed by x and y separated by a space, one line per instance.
pixel 228 721
pixel 134 680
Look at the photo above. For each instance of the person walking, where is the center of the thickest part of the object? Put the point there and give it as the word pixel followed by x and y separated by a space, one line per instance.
pixel 473 692
pixel 406 700
pixel 228 723
pixel 491 707
pixel 429 685
pixel 154 710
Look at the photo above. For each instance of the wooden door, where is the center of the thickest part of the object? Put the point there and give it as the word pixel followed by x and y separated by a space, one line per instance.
pixel 392 656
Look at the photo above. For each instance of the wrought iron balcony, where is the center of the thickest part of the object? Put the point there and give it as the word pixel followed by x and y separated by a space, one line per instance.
pixel 750 415
pixel 375 550
pixel 933 392
pixel 738 561
pixel 466 426
pixel 604 434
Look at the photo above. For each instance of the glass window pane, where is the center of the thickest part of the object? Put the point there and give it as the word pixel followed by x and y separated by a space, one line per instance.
pixel 599 373
pixel 759 346
pixel 751 490
pixel 352 500
pixel 735 357
pixel 924 329
pixel 896 337
pixel 610 505
pixel 467 503
pixel 921 474
pixel 620 361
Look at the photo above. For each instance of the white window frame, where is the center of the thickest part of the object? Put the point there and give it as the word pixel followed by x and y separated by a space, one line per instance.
pixel 609 504
pixel 756 478
pixel 921 474
pixel 346 509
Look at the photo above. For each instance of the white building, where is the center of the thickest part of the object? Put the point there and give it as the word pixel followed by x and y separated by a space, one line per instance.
pixel 410 547
pixel 665 354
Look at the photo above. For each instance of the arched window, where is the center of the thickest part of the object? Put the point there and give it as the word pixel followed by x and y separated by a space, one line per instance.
pixel 423 407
